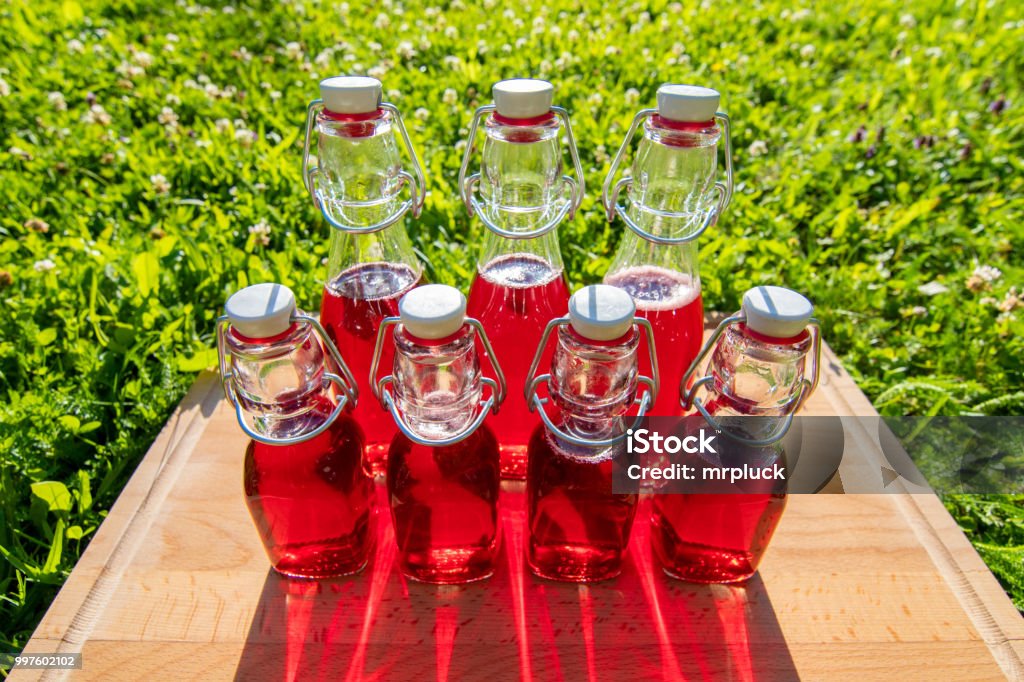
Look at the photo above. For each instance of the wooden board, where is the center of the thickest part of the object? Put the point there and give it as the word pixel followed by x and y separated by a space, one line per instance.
pixel 176 585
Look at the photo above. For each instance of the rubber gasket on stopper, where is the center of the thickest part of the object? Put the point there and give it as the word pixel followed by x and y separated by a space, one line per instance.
pixel 776 312
pixel 601 312
pixel 261 311
pixel 433 311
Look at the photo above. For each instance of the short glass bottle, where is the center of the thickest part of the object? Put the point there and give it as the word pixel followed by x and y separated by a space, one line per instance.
pixel 443 471
pixel 756 381
pixel 303 477
pixel 358 186
pixel 579 526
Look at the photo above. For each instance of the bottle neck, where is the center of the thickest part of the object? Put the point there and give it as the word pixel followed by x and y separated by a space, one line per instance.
pixel 755 375
pixel 437 383
pixel 520 262
pixel 593 383
pixel 280 380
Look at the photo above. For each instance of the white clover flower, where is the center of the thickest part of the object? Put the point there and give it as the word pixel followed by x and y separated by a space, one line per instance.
pixel 632 96
pixel 612 50
pixel 228 9
pixel 262 232
pixel 934 52
pixel 275 94
pixel 44 265
pixel 908 21
pixel 394 94
pixel 244 137
pixel 378 72
pixel 293 50
pixel 212 91
pixel 222 124
pixel 573 35
pixel 203 144
pixel 57 101
pixel 919 311
pixel 421 114
pixel 160 184
pixel 98 115
pixel 18 151
pixel 933 288
pixel 451 32
pixel 143 59
pixel 450 96
pixel 168 117
pixel 382 21
pixel 451 61
pixel 323 60
pixel 5 89
pixel 460 146
pixel 595 99
pixel 807 51
pixel 987 273
pixel 405 50
pixel 75 46
pixel 758 148
pixel 171 37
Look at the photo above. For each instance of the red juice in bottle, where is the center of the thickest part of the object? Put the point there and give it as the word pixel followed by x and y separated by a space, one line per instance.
pixel 358 183
pixel 311 501
pixel 353 305
pixel 444 505
pixel 443 470
pixel 304 482
pixel 514 296
pixel 579 527
pixel 671 301
pixel 757 381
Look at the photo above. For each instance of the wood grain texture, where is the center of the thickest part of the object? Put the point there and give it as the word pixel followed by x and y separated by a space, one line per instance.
pixel 176 584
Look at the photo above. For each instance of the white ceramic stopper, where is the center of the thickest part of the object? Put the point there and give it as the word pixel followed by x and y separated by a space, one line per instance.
pixel 433 311
pixel 601 312
pixel 776 311
pixel 523 97
pixel 261 310
pixel 351 94
pixel 687 103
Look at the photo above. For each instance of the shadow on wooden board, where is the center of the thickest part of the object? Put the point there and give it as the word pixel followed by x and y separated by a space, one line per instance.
pixel 641 626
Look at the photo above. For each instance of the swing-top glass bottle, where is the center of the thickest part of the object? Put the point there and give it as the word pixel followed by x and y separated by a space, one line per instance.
pixel 304 483
pixel 672 199
pixel 358 185
pixel 521 196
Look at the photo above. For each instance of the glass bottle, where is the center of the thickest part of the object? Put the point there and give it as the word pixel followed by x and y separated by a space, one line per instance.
pixel 579 527
pixel 672 200
pixel 520 282
pixel 304 482
pixel 358 187
pixel 756 381
pixel 443 469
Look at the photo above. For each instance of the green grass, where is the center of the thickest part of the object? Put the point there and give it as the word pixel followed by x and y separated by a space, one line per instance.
pixel 877 147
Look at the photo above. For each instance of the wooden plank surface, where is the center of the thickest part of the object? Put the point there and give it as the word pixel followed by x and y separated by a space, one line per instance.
pixel 176 584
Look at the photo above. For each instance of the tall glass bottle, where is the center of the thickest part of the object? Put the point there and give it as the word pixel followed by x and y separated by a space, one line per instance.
pixel 358 187
pixel 443 469
pixel 520 282
pixel 672 200
pixel 304 481
pixel 579 527
pixel 756 381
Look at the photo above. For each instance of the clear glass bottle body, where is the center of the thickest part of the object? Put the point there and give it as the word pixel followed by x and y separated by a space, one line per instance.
pixel 520 284
pixel 368 273
pixel 721 537
pixel 673 174
pixel 310 501
pixel 579 528
pixel 443 498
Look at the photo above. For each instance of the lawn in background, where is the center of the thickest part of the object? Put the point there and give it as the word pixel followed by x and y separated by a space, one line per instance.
pixel 150 166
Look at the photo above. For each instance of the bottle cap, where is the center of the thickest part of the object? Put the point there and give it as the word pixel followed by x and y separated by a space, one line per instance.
pixel 433 311
pixel 523 97
pixel 261 310
pixel 601 312
pixel 351 94
pixel 687 103
pixel 776 311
